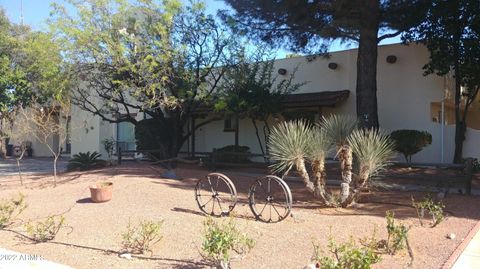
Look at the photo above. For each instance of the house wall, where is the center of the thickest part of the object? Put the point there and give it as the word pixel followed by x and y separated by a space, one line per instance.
pixel 404 102
pixel 404 99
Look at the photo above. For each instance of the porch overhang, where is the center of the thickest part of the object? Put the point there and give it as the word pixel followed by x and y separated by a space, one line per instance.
pixel 315 99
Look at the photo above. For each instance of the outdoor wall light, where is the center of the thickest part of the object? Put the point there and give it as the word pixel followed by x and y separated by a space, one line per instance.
pixel 391 59
pixel 282 71
pixel 332 65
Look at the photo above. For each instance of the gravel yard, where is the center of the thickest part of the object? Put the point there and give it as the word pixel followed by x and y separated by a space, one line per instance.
pixel 93 235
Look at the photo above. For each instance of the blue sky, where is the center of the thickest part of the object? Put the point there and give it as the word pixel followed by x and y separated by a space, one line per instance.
pixel 35 12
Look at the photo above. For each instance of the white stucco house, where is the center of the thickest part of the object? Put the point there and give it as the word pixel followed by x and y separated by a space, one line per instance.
pixel 406 100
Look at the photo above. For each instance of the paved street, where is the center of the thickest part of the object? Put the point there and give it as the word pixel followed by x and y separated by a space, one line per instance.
pixel 8 166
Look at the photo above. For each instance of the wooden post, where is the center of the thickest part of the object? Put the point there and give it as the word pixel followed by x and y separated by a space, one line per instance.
pixel 469 175
pixel 237 125
pixel 119 155
pixel 214 159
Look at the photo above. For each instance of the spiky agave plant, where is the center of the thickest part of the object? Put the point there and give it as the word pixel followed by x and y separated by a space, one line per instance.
pixel 373 149
pixel 338 128
pixel 289 144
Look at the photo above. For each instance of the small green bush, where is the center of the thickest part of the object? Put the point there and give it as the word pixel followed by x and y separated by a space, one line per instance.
pixel 225 154
pixel 46 230
pixel 221 240
pixel 85 161
pixel 434 209
pixel 109 146
pixel 397 234
pixel 409 142
pixel 345 256
pixel 141 238
pixel 10 209
pixel 475 164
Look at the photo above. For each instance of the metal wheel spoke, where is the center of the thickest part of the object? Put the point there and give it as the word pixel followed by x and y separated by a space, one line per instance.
pixel 261 185
pixel 210 183
pixel 220 205
pixel 263 209
pixel 280 205
pixel 270 219
pixel 213 208
pixel 279 215
pixel 207 202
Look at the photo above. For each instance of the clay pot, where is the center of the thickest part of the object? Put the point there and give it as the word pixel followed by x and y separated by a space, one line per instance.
pixel 101 192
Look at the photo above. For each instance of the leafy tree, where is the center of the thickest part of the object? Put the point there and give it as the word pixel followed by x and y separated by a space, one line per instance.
pixel 30 68
pixel 163 60
pixel 252 89
pixel 309 26
pixel 451 32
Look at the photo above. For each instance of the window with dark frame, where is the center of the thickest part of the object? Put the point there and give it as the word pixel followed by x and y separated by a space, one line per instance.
pixel 229 124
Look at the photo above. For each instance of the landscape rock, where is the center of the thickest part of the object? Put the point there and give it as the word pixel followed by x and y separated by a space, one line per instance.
pixel 127 256
pixel 451 236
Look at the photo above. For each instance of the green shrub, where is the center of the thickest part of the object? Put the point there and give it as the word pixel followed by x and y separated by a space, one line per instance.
pixel 409 142
pixel 85 161
pixel 225 154
pixel 397 234
pixel 10 209
pixel 475 164
pixel 45 231
pixel 141 238
pixel 345 256
pixel 221 240
pixel 109 146
pixel 427 205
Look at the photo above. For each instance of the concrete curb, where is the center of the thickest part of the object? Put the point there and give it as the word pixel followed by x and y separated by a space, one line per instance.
pixel 459 250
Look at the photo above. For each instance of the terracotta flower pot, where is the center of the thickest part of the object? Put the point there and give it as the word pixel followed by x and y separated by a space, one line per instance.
pixel 101 192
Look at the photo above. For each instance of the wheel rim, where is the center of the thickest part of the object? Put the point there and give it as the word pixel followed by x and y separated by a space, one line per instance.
pixel 215 195
pixel 270 199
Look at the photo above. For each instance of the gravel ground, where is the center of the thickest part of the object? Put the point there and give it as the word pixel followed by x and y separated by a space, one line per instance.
pixel 140 194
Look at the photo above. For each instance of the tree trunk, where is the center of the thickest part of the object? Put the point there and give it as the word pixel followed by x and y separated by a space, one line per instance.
pixel 19 171
pixel 346 159
pixel 300 165
pixel 366 89
pixel 258 135
pixel 318 167
pixel 55 170
pixel 460 126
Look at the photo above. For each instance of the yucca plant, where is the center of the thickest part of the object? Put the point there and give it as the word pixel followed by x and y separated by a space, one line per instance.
pixel 84 161
pixel 289 145
pixel 296 144
pixel 338 128
pixel 373 149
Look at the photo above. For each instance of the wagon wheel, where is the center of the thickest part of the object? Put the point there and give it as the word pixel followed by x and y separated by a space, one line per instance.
pixel 270 199
pixel 216 195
